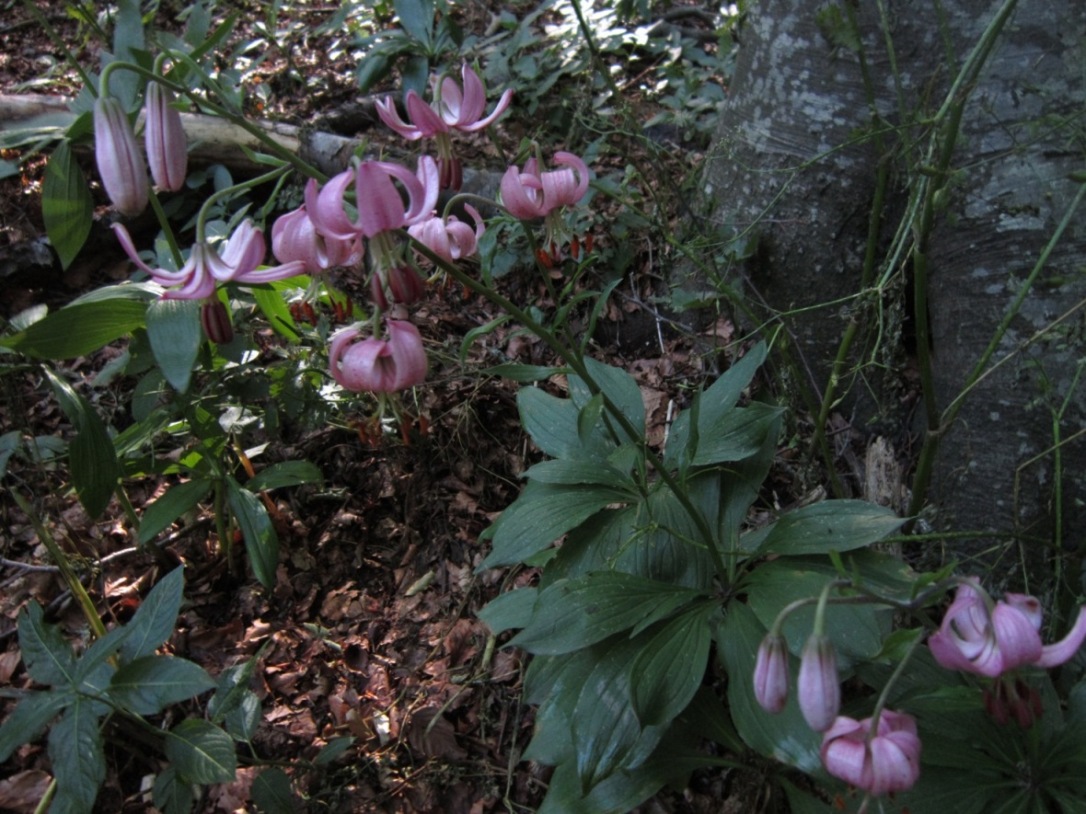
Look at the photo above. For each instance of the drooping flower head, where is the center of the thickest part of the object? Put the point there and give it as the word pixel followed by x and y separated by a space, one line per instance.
pixel 164 137
pixel 456 106
pixel 378 365
pixel 120 163
pixel 885 761
pixel 990 639
pixel 237 262
pixel 450 238
pixel 295 237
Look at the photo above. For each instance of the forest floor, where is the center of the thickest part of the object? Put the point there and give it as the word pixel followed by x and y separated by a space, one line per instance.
pixel 372 630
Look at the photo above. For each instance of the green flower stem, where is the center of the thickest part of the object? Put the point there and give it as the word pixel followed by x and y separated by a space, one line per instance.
pixel 576 364
pixel 65 566
pixel 894 676
pixel 201 217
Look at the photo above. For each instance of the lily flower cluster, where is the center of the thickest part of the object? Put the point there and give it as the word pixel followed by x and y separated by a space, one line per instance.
pixel 995 640
pixel 120 162
pixel 881 754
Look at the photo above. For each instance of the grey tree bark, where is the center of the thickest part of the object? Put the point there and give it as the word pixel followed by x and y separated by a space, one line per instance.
pixel 797 165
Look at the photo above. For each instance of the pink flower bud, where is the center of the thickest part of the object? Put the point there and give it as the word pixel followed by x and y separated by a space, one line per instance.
pixel 884 762
pixel 817 687
pixel 120 164
pixel 771 674
pixel 215 320
pixel 167 150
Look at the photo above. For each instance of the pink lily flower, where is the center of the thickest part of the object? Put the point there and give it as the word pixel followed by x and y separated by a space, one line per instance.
pixel 378 365
pixel 164 136
pixel 206 267
pixel 531 193
pixel 120 163
pixel 379 205
pixel 884 762
pixel 295 237
pixel 450 238
pixel 990 641
pixel 455 107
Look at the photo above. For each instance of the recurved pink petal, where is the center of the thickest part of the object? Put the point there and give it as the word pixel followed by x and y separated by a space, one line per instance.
pixel 1053 655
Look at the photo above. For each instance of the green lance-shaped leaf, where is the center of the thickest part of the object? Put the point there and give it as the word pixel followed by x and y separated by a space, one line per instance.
pixel 66 205
pixel 151 683
pixel 261 542
pixel 79 328
pixel 30 717
pixel 173 328
pixel 831 525
pixel 286 473
pixel 79 763
pixel 671 666
pixel 48 657
pixel 575 613
pixel 541 514
pixel 180 498
pixel 201 752
pixel 510 610
pixel 172 794
pixel 92 457
pixel 153 622
pixel 272 793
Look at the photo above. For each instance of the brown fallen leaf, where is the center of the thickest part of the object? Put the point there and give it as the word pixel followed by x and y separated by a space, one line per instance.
pixel 23 791
pixel 431 734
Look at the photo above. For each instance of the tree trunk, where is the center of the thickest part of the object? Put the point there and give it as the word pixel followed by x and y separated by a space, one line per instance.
pixel 803 137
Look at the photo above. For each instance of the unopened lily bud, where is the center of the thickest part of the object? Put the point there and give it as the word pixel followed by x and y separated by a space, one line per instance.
pixel 817 687
pixel 771 674
pixel 120 164
pixel 167 150
pixel 216 322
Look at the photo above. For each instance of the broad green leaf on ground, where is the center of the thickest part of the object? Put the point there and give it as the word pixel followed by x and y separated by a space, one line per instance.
pixel 620 389
pixel 552 423
pixel 47 655
pixel 178 499
pixel 79 763
pixel 171 794
pixel 272 793
pixel 784 736
pixel 151 683
pixel 285 473
pixel 830 525
pixel 513 609
pixel 574 613
pixel 540 515
pixel 671 666
pixel 242 721
pixel 173 328
pixel 233 685
pixel 275 308
pixel 30 717
pixel 91 455
pixel 66 205
pixel 569 472
pixel 153 622
pixel 79 328
pixel 607 736
pixel 332 750
pixel 554 683
pixel 261 542
pixel 201 752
